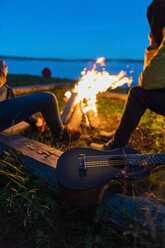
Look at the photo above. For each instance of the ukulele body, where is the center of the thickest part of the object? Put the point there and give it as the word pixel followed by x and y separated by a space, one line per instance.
pixel 96 182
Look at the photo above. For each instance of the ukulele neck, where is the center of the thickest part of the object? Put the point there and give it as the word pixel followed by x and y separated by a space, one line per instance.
pixel 132 160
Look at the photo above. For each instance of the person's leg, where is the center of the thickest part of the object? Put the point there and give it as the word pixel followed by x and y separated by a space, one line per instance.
pixel 137 102
pixel 7 93
pixel 32 120
pixel 17 109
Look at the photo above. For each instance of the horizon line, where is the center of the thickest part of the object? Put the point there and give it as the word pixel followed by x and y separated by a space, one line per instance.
pixel 69 60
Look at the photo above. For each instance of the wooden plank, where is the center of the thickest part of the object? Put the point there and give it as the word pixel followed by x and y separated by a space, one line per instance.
pixel 146 213
pixel 37 158
pixel 32 148
pixel 15 129
pixel 39 87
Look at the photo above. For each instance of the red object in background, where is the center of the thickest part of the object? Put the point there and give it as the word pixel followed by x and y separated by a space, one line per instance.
pixel 46 72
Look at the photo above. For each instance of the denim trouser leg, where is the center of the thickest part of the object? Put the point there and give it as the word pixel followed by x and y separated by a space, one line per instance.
pixel 7 93
pixel 137 102
pixel 32 120
pixel 18 109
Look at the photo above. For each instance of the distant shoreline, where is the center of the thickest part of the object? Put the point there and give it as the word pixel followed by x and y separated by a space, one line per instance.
pixel 70 60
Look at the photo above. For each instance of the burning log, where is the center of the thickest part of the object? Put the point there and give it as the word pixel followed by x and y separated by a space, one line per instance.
pixel 76 117
pixel 93 119
pixel 68 108
pixel 90 84
pixel 73 114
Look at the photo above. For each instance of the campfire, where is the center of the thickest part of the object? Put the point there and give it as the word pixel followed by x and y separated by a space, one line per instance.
pixel 81 103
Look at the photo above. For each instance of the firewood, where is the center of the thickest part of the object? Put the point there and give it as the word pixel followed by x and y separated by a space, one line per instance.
pixel 86 121
pixel 67 112
pixel 76 117
pixel 93 120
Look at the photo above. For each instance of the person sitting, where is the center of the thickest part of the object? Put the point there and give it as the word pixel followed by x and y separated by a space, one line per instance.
pixel 151 90
pixel 16 109
pixel 46 72
pixel 37 123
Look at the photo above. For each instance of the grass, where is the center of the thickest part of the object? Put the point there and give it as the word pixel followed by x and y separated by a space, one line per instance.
pixel 33 216
pixel 25 80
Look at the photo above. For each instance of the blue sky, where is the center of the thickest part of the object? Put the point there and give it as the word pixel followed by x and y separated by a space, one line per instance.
pixel 74 29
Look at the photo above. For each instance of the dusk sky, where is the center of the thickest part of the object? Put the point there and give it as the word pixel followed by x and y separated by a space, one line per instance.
pixel 74 29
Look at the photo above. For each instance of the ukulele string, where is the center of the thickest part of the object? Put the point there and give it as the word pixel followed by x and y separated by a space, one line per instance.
pixel 109 161
pixel 131 159
pixel 103 163
pixel 128 159
pixel 105 160
pixel 106 157
pixel 95 162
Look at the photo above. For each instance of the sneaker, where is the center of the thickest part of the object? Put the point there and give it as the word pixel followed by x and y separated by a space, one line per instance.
pixel 70 133
pixel 106 136
pixel 110 145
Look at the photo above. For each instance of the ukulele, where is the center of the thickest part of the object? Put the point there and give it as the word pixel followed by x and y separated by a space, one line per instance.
pixel 86 176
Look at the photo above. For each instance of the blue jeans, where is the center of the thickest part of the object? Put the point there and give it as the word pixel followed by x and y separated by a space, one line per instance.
pixel 138 101
pixel 18 109
pixel 6 93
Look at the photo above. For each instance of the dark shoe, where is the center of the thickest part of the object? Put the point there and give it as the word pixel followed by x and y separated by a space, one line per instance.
pixel 110 145
pixel 70 133
pixel 106 136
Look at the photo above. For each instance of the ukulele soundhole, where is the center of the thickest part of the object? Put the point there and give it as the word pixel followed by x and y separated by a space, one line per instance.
pixel 118 162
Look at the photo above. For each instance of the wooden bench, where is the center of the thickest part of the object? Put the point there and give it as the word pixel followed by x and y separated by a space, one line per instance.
pixel 15 129
pixel 37 158
pixel 39 87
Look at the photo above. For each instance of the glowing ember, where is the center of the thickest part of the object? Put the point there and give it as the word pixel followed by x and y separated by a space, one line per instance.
pixel 68 94
pixel 92 82
pixel 100 61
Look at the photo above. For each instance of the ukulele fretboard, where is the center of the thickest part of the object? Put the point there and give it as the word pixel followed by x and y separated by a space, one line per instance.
pixel 132 160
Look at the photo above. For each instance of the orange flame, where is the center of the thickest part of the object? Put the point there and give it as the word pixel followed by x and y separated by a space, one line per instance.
pixel 100 61
pixel 92 82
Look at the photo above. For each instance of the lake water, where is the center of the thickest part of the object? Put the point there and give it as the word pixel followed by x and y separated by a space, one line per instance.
pixel 71 70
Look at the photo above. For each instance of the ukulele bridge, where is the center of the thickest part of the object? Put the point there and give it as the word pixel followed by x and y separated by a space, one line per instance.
pixel 82 163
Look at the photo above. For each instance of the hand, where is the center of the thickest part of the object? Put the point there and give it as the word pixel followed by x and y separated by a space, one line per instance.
pixel 3 68
pixel 153 44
